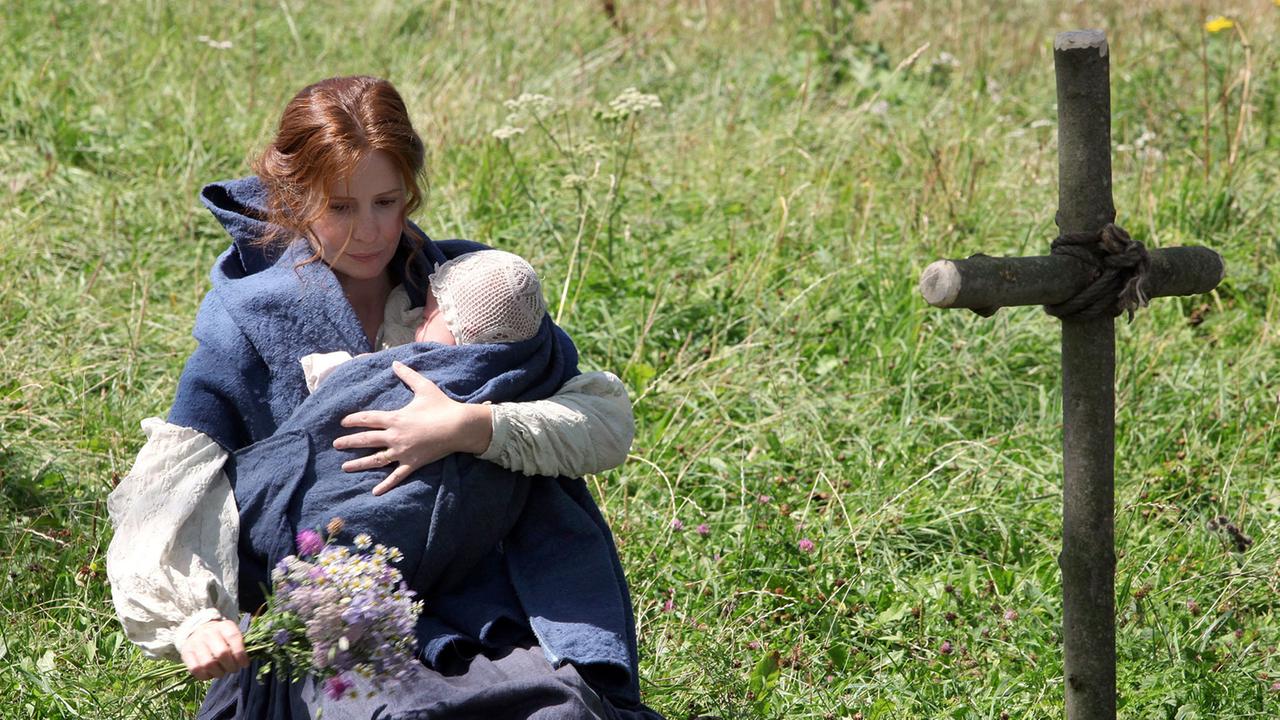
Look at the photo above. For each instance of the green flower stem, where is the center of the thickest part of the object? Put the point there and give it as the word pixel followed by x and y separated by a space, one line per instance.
pixel 258 644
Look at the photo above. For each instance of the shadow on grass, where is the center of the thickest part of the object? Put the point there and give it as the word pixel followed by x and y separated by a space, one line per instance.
pixel 26 482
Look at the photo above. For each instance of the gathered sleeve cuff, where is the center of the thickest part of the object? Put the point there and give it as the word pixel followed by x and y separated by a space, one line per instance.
pixel 172 561
pixel 586 427
pixel 318 366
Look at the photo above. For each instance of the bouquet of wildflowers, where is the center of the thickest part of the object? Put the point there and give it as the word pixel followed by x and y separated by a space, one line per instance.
pixel 334 613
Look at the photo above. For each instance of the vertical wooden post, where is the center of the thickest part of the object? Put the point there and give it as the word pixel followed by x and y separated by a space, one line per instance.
pixel 1088 388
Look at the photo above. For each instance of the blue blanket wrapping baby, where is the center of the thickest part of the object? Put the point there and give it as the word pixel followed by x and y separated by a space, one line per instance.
pixel 500 559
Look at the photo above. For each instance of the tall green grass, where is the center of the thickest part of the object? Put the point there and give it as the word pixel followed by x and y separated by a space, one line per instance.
pixel 750 271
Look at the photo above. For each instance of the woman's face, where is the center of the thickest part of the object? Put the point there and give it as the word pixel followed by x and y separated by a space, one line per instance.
pixel 360 228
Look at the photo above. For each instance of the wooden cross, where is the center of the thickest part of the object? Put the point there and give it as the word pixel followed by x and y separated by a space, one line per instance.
pixel 985 284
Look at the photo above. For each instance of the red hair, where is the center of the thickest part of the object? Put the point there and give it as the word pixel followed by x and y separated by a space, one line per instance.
pixel 324 133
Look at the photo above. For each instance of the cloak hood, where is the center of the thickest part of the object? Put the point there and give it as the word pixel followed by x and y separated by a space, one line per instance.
pixel 268 307
pixel 240 207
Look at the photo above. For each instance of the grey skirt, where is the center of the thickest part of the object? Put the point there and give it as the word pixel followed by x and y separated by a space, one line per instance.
pixel 516 684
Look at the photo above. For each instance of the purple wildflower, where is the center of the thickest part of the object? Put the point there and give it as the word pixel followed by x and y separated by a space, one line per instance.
pixel 669 605
pixel 361 616
pixel 806 545
pixel 677 525
pixel 1010 615
pixel 945 649
pixel 335 614
pixel 336 686
pixel 765 499
pixel 704 530
pixel 357 613
pixel 319 656
pixel 309 542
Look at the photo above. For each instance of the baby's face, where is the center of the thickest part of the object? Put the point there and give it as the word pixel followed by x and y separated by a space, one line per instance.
pixel 433 327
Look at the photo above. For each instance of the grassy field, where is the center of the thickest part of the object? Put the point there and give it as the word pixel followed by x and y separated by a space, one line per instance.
pixel 840 503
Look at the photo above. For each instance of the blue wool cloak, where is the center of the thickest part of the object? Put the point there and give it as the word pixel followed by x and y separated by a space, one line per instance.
pixel 500 559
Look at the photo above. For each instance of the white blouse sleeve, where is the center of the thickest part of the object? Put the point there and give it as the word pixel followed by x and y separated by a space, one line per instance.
pixel 172 561
pixel 318 366
pixel 586 427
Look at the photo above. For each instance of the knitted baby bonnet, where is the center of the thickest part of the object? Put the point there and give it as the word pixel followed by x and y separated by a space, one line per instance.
pixel 489 296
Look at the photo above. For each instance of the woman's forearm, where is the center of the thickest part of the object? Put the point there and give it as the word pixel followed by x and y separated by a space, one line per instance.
pixel 172 561
pixel 586 427
pixel 475 431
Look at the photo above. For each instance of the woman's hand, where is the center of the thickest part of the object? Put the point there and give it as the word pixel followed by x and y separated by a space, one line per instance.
pixel 214 649
pixel 430 427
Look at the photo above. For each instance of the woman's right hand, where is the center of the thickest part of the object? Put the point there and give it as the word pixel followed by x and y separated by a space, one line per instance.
pixel 431 426
pixel 214 649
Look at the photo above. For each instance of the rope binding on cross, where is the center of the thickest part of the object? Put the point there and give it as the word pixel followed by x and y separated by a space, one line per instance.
pixel 1120 266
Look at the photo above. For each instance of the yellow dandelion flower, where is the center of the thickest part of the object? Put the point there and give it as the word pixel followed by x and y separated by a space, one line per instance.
pixel 1220 23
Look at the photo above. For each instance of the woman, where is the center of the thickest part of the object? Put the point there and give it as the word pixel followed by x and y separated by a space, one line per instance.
pixel 342 173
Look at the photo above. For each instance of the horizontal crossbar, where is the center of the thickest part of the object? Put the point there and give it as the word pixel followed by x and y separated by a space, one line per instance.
pixel 985 283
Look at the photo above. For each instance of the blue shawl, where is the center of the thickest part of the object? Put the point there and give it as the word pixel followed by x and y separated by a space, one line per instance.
pixel 497 557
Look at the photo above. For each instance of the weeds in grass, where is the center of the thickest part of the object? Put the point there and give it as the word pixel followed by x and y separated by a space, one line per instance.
pixel 745 257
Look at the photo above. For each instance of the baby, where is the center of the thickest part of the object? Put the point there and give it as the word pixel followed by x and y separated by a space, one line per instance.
pixel 487 296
